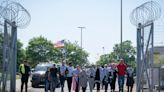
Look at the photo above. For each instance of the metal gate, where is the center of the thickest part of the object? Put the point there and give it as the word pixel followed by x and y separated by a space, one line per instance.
pixel 143 17
pixel 12 16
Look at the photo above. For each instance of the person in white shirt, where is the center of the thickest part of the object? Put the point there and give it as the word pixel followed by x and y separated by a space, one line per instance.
pixel 62 75
pixel 69 74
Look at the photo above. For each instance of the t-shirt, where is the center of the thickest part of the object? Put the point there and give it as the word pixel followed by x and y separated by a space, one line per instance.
pixel 53 72
pixel 70 71
pixel 121 69
pixel 62 69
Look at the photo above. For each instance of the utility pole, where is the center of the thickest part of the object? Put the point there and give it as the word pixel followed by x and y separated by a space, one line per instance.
pixel 81 29
pixel 121 30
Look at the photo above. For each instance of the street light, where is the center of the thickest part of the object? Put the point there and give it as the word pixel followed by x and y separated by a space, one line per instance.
pixel 103 48
pixel 81 29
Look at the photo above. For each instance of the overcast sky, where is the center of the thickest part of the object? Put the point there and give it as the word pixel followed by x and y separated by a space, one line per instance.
pixel 59 19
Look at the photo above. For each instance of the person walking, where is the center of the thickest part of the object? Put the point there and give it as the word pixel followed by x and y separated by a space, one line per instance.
pixel 106 74
pixel 53 78
pixel 130 79
pixel 114 76
pixel 25 73
pixel 98 77
pixel 62 75
pixel 91 77
pixel 121 67
pixel 47 79
pixel 69 73
pixel 103 81
pixel 83 79
pixel 76 85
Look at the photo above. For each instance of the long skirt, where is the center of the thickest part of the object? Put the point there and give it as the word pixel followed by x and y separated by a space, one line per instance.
pixel 74 82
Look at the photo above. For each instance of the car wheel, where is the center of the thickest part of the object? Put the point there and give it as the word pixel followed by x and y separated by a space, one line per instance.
pixel 34 85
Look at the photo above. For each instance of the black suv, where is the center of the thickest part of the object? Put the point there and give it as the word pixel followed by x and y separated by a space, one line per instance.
pixel 38 75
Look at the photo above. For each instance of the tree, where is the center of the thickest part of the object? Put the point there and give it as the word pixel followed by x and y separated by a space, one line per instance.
pixel 158 59
pixel 21 55
pixel 20 51
pixel 128 54
pixel 105 59
pixel 40 50
pixel 74 54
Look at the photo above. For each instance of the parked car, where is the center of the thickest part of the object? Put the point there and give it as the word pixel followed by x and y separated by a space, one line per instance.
pixel 38 74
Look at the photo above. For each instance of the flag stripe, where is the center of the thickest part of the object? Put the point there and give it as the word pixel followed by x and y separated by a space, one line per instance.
pixel 59 44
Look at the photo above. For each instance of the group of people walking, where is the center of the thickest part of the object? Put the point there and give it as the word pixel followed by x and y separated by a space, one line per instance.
pixel 96 76
pixel 80 77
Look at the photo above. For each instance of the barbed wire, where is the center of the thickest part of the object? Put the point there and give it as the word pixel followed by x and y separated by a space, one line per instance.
pixel 145 13
pixel 15 12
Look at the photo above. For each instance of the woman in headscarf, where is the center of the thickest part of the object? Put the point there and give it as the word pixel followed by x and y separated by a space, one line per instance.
pixel 130 79
pixel 114 75
pixel 83 79
pixel 99 75
pixel 75 81
pixel 106 74
pixel 91 77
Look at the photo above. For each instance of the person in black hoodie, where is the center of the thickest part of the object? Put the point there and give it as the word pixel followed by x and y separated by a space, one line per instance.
pixel 47 79
pixel 53 78
pixel 97 78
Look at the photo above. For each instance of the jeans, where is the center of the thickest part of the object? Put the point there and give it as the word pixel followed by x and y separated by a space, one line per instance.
pixel 91 83
pixel 62 80
pixel 53 85
pixel 121 83
pixel 47 85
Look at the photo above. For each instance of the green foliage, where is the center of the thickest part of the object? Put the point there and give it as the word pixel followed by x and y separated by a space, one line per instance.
pixel 1 49
pixel 105 59
pixel 128 54
pixel 21 55
pixel 40 50
pixel 20 52
pixel 75 54
pixel 158 60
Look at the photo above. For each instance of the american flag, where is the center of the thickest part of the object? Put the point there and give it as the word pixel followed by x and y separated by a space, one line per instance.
pixel 59 44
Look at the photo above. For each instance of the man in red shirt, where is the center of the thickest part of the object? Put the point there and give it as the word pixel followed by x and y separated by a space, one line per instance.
pixel 121 67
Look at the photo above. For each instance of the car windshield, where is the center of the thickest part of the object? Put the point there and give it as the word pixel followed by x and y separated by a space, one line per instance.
pixel 41 68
